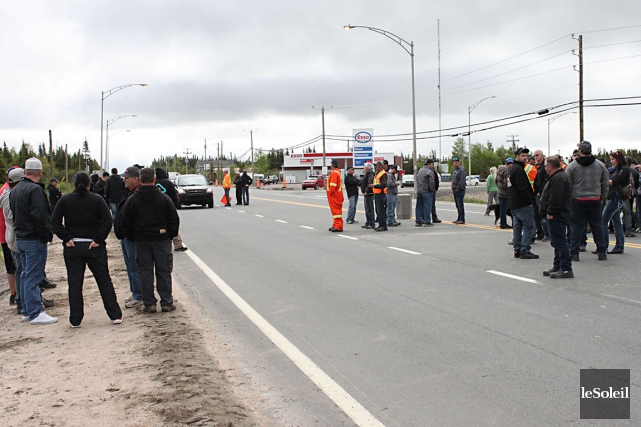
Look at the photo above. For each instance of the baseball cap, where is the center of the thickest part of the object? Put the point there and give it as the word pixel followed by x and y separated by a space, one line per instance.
pixel 351 168
pixel 393 167
pixel 585 147
pixel 15 175
pixel 509 160
pixel 334 162
pixel 379 163
pixel 53 179
pixel 429 161
pixel 521 150
pixel 12 168
pixel 33 164
pixel 131 172
pixel 456 159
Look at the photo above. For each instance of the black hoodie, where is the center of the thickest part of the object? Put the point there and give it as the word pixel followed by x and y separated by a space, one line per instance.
pixel 149 215
pixel 519 189
pixel 166 186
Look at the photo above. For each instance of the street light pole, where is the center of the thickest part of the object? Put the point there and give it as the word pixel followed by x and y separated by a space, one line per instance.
pixel 105 95
pixel 110 121
pixel 469 133
pixel 403 44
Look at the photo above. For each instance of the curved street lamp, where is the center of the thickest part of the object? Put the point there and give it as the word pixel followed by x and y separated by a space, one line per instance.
pixel 550 120
pixel 106 94
pixel 409 48
pixel 110 121
pixel 469 133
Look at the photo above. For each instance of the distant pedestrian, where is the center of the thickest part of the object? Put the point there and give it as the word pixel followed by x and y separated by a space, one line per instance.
pixel 351 185
pixel 379 188
pixel 83 221
pixel 114 191
pixel 150 220
pixel 246 183
pixel 226 187
pixel 334 190
pixel 392 196
pixel 31 212
pixel 437 179
pixel 491 189
pixel 368 196
pixel 238 183
pixel 539 182
pixel 167 187
pixel 425 191
pixel 458 189
pixel 619 179
pixel 555 205
pixel 522 202
pixel 99 188
pixel 53 192
pixel 501 183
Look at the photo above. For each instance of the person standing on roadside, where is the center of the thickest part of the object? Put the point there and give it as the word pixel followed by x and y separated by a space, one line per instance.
pixel 368 195
pixel 8 240
pixel 150 220
pixel 458 189
pixel 392 196
pixel 238 182
pixel 246 182
pixel 99 188
pixel 31 212
pixel 87 223
pixel 437 180
pixel 114 190
pixel 425 189
pixel 379 188
pixel 53 192
pixel 132 182
pixel 539 182
pixel 491 189
pixel 167 187
pixel 501 182
pixel 555 206
pixel 226 187
pixel 522 202
pixel 590 185
pixel 334 190
pixel 619 179
pixel 351 185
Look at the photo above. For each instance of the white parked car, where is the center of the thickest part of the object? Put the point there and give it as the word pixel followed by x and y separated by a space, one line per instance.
pixel 472 180
pixel 407 181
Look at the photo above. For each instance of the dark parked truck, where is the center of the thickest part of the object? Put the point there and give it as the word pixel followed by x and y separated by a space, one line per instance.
pixel 194 190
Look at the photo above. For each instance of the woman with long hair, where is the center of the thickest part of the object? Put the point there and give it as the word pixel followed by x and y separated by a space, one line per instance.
pixel 619 178
pixel 492 190
pixel 87 223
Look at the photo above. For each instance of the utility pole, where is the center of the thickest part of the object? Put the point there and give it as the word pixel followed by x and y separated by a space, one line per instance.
pixel 79 160
pixel 513 140
pixel 251 137
pixel 323 126
pixel 580 88
pixel 66 165
pixel 438 31
pixel 50 155
pixel 187 153
pixel 205 158
pixel 218 159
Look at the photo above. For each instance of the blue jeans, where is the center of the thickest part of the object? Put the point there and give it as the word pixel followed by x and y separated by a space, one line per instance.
pixel 19 290
pixel 611 211
pixel 391 208
pixel 351 210
pixel 559 241
pixel 503 206
pixel 590 211
pixel 459 196
pixel 523 225
pixel 245 195
pixel 129 254
pixel 114 208
pixel 33 257
pixel 424 203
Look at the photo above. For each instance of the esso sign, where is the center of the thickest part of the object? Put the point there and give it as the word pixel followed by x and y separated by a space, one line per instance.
pixel 297 156
pixel 363 137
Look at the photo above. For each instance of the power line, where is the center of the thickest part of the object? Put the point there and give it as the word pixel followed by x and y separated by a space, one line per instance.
pixel 612 44
pixel 607 29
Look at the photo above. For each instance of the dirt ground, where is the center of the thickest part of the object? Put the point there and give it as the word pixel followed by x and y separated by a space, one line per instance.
pixel 153 369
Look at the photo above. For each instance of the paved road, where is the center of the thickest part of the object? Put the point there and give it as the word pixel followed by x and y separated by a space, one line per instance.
pixel 422 326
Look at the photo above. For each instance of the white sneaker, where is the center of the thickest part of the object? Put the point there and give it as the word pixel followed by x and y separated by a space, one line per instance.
pixel 43 319
pixel 25 317
pixel 129 298
pixel 133 303
pixel 73 326
pixel 117 321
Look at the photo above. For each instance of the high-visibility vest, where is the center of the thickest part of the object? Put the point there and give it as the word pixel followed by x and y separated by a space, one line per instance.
pixel 377 181
pixel 227 181
pixel 530 171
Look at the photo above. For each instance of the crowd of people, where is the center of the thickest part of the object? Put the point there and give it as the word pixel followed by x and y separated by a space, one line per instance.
pixel 547 199
pixel 140 206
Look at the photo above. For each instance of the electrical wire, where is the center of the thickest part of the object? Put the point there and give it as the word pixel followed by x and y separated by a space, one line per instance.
pixel 608 29
pixel 613 44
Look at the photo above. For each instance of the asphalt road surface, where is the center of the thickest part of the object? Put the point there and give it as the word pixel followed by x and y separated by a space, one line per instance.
pixel 432 326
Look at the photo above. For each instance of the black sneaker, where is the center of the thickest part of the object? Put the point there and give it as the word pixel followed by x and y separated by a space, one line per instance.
pixel 45 284
pixel 529 255
pixel 167 308
pixel 47 303
pixel 562 275
pixel 545 239
pixel 602 257
pixel 575 258
pixel 582 248
pixel 517 254
pixel 506 227
pixel 12 299
pixel 181 249
pixel 547 273
pixel 437 221
pixel 149 309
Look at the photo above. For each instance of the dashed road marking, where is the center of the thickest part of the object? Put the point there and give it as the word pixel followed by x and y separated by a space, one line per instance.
pixel 280 220
pixel 304 226
pixel 260 216
pixel 241 211
pixel 404 250
pixel 512 276
pixel 347 237
pixel 632 301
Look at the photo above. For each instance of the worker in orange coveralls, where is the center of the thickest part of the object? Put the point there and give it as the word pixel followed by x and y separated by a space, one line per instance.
pixel 226 187
pixel 334 189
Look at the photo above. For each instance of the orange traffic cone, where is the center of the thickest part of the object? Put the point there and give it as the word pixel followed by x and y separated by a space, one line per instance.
pixel 284 183
pixel 258 183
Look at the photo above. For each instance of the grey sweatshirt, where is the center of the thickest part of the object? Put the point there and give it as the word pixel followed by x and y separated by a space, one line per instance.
pixel 391 184
pixel 589 178
pixel 425 180
pixel 458 179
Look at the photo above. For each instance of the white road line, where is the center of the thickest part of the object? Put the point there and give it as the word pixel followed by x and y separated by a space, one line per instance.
pixel 512 276
pixel 304 226
pixel 241 211
pixel 260 216
pixel 347 237
pixel 404 250
pixel 633 301
pixel 280 220
pixel 349 405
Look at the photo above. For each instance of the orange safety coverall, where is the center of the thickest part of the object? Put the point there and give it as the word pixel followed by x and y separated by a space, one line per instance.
pixel 227 185
pixel 335 197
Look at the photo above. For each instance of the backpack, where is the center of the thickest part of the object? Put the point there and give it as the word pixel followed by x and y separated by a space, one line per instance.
pixel 629 190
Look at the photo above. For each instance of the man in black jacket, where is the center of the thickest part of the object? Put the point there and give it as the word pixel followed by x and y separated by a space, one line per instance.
pixel 238 182
pixel 435 219
pixel 539 182
pixel 114 189
pixel 246 181
pixel 522 200
pixel 555 206
pixel 167 187
pixel 99 188
pixel 31 212
pixel 351 185
pixel 368 195
pixel 54 193
pixel 87 223
pixel 150 220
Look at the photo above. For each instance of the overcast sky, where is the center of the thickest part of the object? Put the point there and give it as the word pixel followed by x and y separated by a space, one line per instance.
pixel 218 68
